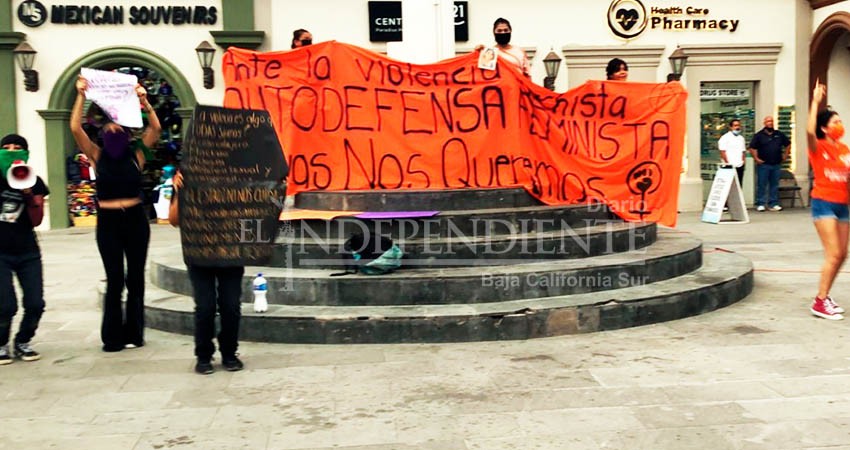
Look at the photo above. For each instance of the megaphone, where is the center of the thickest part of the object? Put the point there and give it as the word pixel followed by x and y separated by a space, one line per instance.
pixel 20 175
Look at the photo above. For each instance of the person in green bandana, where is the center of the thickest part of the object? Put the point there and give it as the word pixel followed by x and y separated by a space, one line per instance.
pixel 21 209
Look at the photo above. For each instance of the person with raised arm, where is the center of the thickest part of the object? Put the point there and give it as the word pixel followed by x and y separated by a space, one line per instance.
pixel 122 223
pixel 830 162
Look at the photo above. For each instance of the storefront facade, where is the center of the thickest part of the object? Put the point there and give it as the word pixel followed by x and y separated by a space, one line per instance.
pixel 156 38
pixel 745 59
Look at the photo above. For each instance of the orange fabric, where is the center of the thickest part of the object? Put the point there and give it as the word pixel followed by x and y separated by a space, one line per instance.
pixel 831 168
pixel 348 118
pixel 301 214
pixel 515 56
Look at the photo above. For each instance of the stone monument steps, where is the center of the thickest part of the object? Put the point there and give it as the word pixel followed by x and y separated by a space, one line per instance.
pixel 723 279
pixel 313 252
pixel 455 221
pixel 415 199
pixel 673 254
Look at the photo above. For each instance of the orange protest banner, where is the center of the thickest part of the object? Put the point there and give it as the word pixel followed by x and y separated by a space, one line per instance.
pixel 348 118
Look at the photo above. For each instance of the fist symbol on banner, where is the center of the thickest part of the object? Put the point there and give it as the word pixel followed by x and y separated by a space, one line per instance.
pixel 643 179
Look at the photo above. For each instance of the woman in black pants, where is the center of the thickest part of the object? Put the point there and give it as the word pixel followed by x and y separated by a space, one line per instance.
pixel 122 224
pixel 215 289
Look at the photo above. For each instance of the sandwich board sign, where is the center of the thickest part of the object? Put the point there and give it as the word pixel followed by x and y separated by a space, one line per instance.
pixel 725 187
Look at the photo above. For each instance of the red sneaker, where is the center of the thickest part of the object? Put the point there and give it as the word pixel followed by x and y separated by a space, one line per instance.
pixel 835 306
pixel 823 308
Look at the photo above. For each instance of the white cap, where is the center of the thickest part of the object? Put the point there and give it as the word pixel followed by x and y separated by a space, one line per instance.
pixel 20 175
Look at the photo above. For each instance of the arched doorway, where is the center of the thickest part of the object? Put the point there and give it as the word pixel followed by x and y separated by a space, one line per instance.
pixel 833 30
pixel 58 137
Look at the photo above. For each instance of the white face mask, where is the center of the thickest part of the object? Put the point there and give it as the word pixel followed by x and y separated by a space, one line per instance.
pixel 736 132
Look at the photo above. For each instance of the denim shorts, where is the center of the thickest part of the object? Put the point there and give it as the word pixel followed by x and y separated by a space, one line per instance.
pixel 822 209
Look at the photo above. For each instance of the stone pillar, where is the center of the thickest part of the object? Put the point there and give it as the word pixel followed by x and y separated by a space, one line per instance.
pixel 185 114
pixel 59 140
pixel 428 32
pixel 802 97
pixel 8 41
pixel 238 26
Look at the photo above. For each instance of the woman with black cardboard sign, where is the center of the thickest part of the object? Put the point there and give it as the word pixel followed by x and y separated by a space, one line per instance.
pixel 213 289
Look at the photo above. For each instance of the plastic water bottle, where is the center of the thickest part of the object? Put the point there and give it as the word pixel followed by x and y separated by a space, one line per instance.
pixel 261 287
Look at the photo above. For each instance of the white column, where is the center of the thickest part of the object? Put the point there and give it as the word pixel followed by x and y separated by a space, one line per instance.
pixel 427 32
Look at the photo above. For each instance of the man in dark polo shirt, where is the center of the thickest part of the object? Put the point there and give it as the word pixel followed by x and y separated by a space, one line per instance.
pixel 769 147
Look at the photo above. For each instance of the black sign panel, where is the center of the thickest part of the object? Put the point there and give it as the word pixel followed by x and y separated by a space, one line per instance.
pixel 385 21
pixel 461 11
pixel 32 13
pixel 234 186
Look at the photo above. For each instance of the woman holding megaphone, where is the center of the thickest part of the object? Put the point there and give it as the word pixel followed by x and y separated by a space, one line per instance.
pixel 21 209
pixel 122 224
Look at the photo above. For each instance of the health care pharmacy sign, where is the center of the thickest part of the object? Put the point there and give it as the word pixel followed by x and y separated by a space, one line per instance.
pixel 629 18
pixel 33 13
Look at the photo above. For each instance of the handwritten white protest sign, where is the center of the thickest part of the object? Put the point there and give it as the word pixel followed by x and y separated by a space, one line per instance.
pixel 115 93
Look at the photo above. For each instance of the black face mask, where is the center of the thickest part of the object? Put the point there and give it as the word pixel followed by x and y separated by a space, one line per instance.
pixel 503 38
pixel 306 42
pixel 769 129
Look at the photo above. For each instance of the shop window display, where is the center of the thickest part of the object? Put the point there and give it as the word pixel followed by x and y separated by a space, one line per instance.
pixel 160 160
pixel 721 102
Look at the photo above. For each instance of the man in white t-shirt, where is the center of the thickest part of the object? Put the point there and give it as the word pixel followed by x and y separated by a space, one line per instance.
pixel 732 148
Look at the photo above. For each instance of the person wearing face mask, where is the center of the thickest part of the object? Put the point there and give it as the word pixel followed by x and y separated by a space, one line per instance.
pixel 830 162
pixel 770 148
pixel 617 70
pixel 507 52
pixel 21 209
pixel 301 38
pixel 732 147
pixel 122 223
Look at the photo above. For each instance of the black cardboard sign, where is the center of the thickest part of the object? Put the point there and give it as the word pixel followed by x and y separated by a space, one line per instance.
pixel 234 187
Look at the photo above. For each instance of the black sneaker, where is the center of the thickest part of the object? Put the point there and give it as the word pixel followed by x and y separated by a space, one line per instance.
pixel 25 352
pixel 5 356
pixel 204 367
pixel 232 363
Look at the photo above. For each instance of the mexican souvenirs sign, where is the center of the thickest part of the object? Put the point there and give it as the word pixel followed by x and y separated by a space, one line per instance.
pixel 353 119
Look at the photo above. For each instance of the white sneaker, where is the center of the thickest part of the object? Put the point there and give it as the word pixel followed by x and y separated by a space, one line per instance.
pixel 5 355
pixel 760 208
pixel 834 305
pixel 776 208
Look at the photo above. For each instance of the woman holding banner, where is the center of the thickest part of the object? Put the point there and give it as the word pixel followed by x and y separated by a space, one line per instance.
pixel 830 162
pixel 617 70
pixel 301 38
pixel 507 52
pixel 122 224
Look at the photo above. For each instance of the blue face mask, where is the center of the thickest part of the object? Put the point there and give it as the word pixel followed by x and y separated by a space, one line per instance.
pixel 736 132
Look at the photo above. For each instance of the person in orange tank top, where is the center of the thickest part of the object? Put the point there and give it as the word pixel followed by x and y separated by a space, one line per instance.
pixel 830 162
